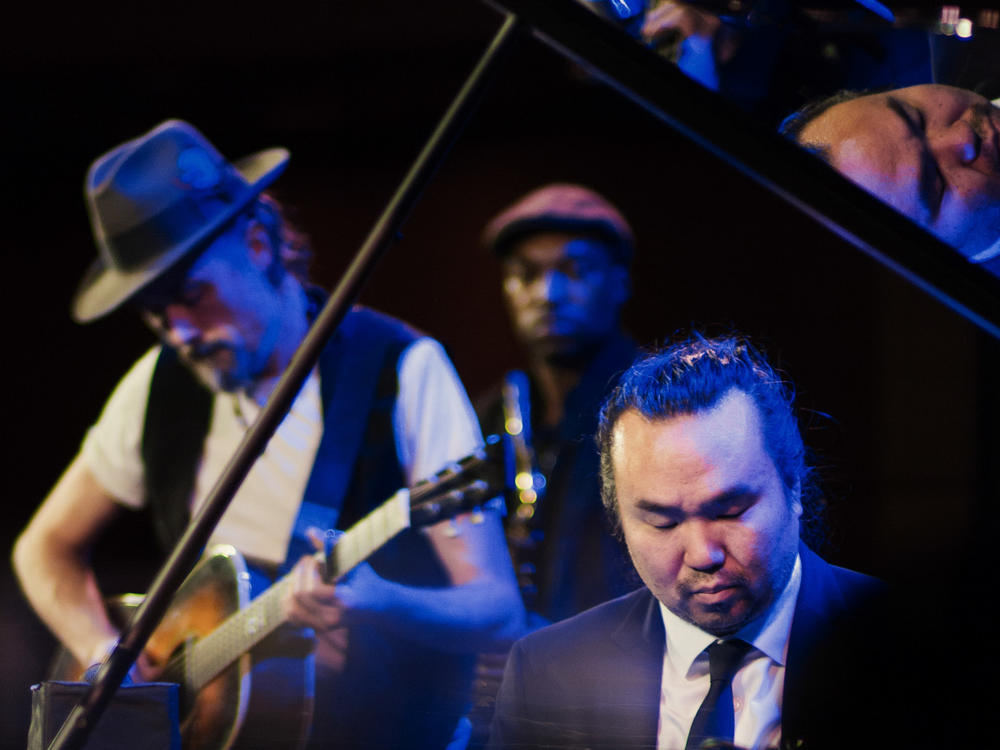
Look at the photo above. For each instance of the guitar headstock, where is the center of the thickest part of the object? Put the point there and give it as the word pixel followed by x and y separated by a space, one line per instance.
pixel 473 482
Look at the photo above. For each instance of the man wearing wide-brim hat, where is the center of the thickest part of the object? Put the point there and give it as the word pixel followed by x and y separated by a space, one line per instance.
pixel 193 243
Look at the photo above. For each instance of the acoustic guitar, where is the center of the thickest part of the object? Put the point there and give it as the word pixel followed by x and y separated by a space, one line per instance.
pixel 246 681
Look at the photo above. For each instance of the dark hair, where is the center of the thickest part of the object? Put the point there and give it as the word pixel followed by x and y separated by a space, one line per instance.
pixel 793 125
pixel 693 376
pixel 294 249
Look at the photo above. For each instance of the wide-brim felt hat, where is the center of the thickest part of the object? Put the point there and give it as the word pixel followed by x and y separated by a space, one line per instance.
pixel 561 207
pixel 156 199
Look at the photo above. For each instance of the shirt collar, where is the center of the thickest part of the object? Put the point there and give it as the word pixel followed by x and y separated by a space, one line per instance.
pixel 768 634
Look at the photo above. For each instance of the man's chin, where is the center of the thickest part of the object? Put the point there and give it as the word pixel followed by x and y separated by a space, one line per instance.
pixel 221 371
pixel 718 619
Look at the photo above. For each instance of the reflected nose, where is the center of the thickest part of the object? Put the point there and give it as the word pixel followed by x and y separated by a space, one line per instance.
pixel 958 143
pixel 702 549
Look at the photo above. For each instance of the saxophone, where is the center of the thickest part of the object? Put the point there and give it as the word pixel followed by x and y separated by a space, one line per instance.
pixel 525 483
pixel 525 486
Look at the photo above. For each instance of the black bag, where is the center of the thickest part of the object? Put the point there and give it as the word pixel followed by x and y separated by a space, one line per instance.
pixel 139 716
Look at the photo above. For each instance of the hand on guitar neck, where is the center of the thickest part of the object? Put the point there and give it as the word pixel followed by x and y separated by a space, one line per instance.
pixel 328 607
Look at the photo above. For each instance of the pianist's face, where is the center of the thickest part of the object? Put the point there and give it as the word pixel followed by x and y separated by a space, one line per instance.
pixel 709 524
pixel 930 151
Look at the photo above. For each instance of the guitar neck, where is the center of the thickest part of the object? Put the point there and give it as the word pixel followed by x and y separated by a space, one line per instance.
pixel 245 629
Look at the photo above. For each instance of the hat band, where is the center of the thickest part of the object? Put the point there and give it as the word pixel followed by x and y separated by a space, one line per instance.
pixel 617 243
pixel 178 225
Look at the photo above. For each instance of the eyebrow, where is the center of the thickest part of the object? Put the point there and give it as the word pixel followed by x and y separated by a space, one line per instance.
pixel 930 173
pixel 713 503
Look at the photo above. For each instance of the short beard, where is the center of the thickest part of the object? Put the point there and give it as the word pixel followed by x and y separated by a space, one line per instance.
pixel 729 628
pixel 212 378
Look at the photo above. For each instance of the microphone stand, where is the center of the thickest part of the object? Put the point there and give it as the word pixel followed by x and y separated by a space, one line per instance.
pixel 74 731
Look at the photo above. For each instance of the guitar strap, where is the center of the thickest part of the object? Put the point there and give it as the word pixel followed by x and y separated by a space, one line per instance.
pixel 356 464
pixel 358 384
pixel 178 412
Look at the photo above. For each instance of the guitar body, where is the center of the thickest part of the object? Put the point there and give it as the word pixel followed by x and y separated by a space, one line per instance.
pixel 263 699
pixel 247 678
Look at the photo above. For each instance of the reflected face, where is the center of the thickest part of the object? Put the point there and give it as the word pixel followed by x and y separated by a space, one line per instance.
pixel 708 523
pixel 564 293
pixel 932 152
pixel 223 316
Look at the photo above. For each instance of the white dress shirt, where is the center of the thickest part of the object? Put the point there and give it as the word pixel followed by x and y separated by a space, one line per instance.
pixel 757 686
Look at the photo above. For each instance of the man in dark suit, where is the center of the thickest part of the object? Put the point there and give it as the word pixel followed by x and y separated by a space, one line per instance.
pixel 703 470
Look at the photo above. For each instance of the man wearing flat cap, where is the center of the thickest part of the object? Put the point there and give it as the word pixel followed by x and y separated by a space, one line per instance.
pixel 564 252
pixel 193 243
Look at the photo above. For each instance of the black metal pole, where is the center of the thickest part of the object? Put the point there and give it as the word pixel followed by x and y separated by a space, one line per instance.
pixel 81 719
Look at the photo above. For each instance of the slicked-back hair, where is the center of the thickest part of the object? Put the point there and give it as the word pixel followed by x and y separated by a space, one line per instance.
pixel 693 376
pixel 793 125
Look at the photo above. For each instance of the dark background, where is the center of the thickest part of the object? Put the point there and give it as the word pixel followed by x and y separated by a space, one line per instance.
pixel 897 392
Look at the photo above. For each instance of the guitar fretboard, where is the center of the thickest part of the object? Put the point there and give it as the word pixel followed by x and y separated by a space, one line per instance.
pixel 248 627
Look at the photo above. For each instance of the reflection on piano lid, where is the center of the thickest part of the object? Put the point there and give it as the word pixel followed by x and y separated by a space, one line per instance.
pixel 949 19
pixel 780 83
pixel 626 12
pixel 772 56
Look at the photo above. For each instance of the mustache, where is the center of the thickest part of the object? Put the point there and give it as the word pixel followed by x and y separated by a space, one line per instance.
pixel 198 352
pixel 698 581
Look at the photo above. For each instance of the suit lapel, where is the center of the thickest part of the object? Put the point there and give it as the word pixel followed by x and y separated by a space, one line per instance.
pixel 639 641
pixel 819 602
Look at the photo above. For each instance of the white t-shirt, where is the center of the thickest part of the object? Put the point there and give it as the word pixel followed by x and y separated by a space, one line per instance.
pixel 757 686
pixel 433 423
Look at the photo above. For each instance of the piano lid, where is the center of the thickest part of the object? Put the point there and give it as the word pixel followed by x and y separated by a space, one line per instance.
pixel 727 79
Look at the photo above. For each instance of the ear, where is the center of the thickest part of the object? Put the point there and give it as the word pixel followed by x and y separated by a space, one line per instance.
pixel 796 500
pixel 259 247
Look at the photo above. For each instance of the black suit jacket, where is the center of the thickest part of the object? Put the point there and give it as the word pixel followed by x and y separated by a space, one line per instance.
pixel 593 681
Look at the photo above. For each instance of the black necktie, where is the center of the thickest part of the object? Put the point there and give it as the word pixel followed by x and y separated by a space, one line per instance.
pixel 715 718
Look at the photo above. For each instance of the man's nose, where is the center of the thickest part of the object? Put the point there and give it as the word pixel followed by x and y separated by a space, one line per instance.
pixel 703 550
pixel 553 284
pixel 179 329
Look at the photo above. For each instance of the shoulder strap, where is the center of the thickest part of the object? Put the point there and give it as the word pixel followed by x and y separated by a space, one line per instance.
pixel 178 412
pixel 358 388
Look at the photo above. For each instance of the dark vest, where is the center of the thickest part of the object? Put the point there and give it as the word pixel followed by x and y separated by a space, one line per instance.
pixel 358 393
pixel 355 470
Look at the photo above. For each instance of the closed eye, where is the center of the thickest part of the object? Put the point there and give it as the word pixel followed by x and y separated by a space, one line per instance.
pixel 656 515
pixel 663 525
pixel 931 184
pixel 731 514
pixel 732 505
